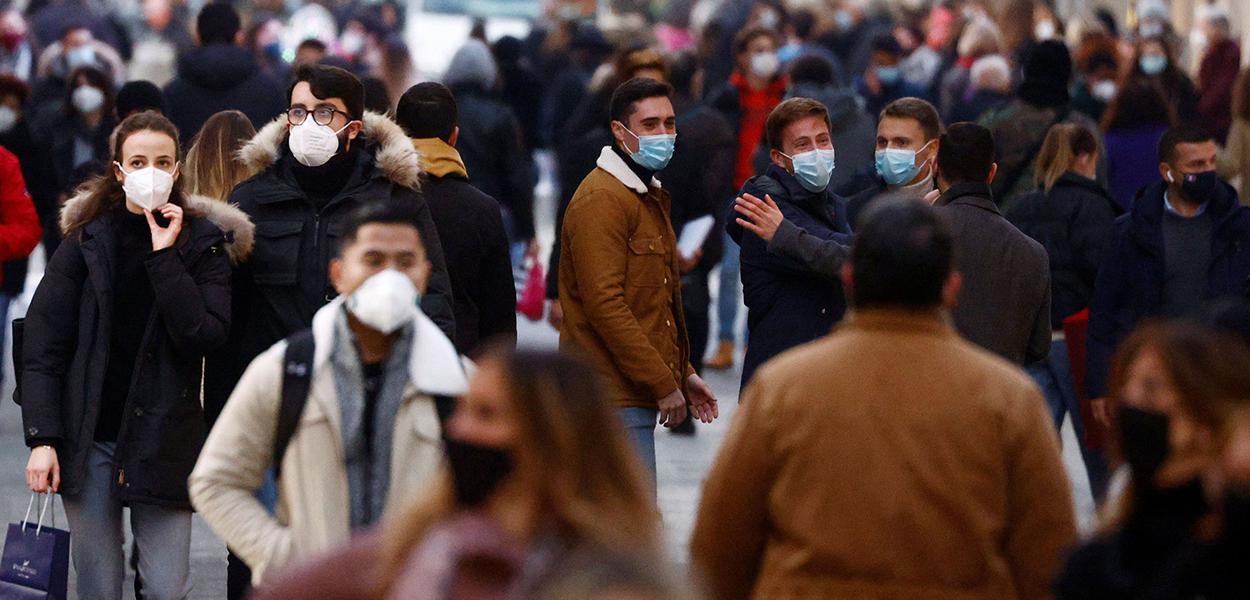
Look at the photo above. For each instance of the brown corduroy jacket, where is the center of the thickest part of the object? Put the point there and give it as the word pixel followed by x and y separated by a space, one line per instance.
pixel 891 459
pixel 620 287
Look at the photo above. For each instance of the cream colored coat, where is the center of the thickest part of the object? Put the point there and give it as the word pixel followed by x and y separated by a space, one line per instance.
pixel 313 506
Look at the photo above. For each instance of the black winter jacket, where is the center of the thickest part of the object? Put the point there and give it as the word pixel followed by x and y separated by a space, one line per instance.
pixel 1072 222
pixel 67 339
pixel 478 263
pixel 1129 286
pixel 221 77
pixel 286 280
pixel 788 303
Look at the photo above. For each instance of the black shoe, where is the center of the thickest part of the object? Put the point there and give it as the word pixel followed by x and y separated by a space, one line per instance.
pixel 685 428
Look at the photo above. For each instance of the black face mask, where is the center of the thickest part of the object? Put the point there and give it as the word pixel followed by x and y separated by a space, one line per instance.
pixel 1200 187
pixel 476 471
pixel 1237 517
pixel 1144 442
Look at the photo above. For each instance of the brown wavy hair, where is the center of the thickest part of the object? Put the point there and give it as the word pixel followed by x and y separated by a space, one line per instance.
pixel 591 490
pixel 212 169
pixel 105 188
pixel 1063 144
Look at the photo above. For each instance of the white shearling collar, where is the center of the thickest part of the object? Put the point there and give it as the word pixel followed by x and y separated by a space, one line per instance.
pixel 612 162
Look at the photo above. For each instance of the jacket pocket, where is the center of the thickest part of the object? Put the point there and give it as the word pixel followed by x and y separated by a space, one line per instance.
pixel 275 260
pixel 647 265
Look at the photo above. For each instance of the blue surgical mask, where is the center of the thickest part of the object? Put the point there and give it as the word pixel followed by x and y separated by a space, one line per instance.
pixel 813 168
pixel 843 19
pixel 889 75
pixel 897 166
pixel 1153 64
pixel 654 151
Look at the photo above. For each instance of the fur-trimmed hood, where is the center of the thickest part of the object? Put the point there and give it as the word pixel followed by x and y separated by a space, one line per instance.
pixel 237 226
pixel 394 153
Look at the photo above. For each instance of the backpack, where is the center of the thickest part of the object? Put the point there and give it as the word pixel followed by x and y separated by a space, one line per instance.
pixel 297 365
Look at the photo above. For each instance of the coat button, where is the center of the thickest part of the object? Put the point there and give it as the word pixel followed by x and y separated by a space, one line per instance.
pixel 651 246
pixel 665 281
pixel 138 412
pixel 824 311
pixel 33 431
pixel 668 323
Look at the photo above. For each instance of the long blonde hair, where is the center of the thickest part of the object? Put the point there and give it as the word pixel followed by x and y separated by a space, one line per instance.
pixel 211 168
pixel 1063 144
pixel 592 489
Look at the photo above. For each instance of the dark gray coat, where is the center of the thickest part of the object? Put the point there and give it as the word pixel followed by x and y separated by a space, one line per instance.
pixel 1004 305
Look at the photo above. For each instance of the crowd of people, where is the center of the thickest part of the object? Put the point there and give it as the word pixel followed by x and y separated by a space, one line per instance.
pixel 282 278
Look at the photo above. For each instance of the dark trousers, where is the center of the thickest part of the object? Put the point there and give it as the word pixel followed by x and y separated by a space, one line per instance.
pixel 696 300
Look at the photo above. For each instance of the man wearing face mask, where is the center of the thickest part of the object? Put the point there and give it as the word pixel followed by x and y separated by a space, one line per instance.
pixel 1185 241
pixel 619 282
pixel 1004 304
pixel 789 300
pixel 907 135
pixel 367 438
pixel 754 89
pixel 316 164
pixel 883 82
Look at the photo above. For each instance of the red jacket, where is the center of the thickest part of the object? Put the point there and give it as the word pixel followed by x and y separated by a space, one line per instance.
pixel 19 224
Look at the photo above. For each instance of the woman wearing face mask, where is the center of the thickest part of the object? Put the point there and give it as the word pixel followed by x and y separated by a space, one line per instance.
pixel 133 298
pixel 1168 382
pixel 1132 126
pixel 1070 214
pixel 1156 59
pixel 539 477
pixel 79 135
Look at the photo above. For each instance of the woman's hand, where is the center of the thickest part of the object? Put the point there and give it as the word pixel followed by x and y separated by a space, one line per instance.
pixel 164 237
pixel 43 468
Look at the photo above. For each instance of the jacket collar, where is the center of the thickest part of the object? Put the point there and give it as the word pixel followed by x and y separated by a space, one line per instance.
pixel 434 366
pixel 1148 206
pixel 933 321
pixel 440 159
pixel 85 208
pixel 615 166
pixel 978 195
pixel 393 153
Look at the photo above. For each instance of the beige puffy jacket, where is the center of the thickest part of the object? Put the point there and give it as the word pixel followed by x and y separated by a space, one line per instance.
pixel 313 513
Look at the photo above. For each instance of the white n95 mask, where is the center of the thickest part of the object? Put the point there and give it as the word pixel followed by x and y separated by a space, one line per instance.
pixel 148 188
pixel 314 145
pixel 385 302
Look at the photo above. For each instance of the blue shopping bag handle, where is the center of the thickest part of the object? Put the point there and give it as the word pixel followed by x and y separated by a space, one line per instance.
pixel 42 512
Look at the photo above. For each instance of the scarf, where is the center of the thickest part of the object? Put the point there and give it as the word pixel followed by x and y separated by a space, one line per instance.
pixel 439 159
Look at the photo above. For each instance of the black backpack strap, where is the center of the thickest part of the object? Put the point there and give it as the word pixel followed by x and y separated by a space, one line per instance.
pixel 297 366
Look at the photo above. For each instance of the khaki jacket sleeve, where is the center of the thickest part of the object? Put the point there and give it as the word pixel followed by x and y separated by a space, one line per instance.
pixel 597 229
pixel 233 463
pixel 1041 526
pixel 731 530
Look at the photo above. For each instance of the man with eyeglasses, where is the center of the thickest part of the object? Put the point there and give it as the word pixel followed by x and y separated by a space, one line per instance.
pixel 313 167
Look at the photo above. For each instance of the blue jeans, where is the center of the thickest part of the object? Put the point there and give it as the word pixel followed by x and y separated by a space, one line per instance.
pixel 1054 376
pixel 640 427
pixel 162 535
pixel 730 294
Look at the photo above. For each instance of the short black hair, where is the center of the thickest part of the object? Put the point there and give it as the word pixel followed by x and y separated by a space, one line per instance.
pixel 1184 134
pixel 137 96
pixel 428 110
pixel 332 82
pixel 313 43
pixel 886 43
pixel 629 93
pixel 803 22
pixel 965 153
pixel 217 23
pixel 812 68
pixel 904 252
pixel 387 212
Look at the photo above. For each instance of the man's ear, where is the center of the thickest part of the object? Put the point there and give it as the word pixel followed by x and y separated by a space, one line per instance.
pixel 354 128
pixel 777 159
pixel 993 172
pixel 455 136
pixel 950 289
pixel 336 271
pixel 847 275
pixel 1164 169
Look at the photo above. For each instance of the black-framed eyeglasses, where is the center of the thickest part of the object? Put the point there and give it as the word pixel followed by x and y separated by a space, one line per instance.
pixel 322 115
